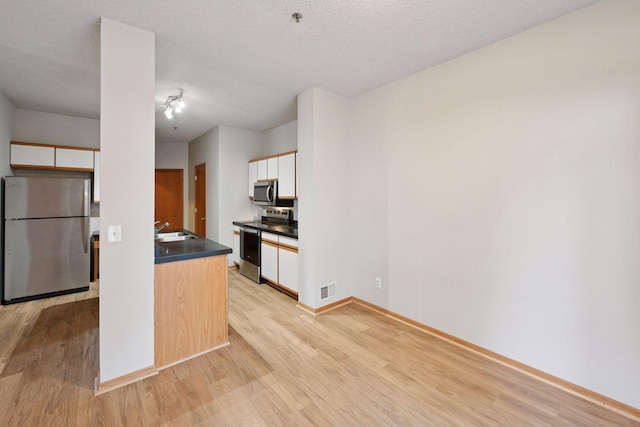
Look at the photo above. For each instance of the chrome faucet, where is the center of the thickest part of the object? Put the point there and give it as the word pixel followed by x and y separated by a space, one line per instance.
pixel 157 230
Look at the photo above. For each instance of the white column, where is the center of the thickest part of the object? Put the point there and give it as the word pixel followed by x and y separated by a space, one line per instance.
pixel 127 134
pixel 324 193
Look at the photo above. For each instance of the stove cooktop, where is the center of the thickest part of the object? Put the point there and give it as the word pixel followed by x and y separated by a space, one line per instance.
pixel 274 226
pixel 256 224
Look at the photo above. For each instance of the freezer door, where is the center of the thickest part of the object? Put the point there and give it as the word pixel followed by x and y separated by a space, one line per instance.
pixel 45 197
pixel 45 255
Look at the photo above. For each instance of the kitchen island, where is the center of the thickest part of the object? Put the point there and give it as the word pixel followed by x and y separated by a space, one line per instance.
pixel 190 314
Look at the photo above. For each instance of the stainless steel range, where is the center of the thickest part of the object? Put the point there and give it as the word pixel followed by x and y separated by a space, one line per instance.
pixel 250 239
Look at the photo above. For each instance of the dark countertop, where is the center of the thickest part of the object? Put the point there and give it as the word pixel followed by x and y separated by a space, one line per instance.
pixel 275 228
pixel 188 249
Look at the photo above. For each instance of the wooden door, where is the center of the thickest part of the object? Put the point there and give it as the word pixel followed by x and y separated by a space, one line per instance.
pixel 201 200
pixel 169 199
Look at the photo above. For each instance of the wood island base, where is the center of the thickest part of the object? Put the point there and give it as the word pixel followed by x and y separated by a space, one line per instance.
pixel 190 315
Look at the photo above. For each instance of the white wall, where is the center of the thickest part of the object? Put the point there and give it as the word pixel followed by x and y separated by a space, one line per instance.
pixel 7 133
pixel 58 129
pixel 237 147
pixel 7 118
pixel 280 139
pixel 370 145
pixel 226 151
pixel 176 156
pixel 205 149
pixel 512 197
pixel 324 173
pixel 127 133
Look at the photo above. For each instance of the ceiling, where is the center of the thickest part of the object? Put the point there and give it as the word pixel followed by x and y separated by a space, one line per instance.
pixel 242 63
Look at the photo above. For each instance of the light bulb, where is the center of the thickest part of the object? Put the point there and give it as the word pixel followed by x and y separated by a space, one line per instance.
pixel 178 107
pixel 168 112
pixel 181 103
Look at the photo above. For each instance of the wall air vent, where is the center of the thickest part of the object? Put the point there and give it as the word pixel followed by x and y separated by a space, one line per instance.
pixel 328 291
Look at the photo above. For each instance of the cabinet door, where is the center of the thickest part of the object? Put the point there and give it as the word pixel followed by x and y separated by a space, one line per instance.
pixel 272 168
pixel 287 176
pixel 262 169
pixel 96 177
pixel 269 261
pixel 70 158
pixel 32 155
pixel 236 245
pixel 288 268
pixel 253 176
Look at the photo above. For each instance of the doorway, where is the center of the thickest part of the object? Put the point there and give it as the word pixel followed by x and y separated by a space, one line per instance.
pixel 201 200
pixel 169 197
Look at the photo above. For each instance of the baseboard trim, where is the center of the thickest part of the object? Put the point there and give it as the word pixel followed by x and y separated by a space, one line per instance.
pixel 293 294
pixel 325 308
pixel 306 308
pixel 576 390
pixel 124 380
pixel 193 356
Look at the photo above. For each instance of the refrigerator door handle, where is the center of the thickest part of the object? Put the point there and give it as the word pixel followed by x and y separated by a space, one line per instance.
pixel 85 235
pixel 85 199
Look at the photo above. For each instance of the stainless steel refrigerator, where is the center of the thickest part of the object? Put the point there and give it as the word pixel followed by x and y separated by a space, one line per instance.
pixel 46 237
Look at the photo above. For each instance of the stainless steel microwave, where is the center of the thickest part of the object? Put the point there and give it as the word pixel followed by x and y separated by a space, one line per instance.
pixel 265 193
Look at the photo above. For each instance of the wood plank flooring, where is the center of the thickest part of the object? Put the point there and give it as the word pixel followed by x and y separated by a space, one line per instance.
pixel 348 367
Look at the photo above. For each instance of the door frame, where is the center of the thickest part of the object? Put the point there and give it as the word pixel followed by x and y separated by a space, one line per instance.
pixel 200 200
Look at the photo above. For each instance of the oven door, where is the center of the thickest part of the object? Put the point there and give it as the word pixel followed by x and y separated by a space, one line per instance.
pixel 250 245
pixel 250 253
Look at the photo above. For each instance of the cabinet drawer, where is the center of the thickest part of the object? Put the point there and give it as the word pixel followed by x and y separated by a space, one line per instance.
pixel 269 237
pixel 288 241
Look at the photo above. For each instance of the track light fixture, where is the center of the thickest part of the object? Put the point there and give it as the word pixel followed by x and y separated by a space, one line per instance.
pixel 170 107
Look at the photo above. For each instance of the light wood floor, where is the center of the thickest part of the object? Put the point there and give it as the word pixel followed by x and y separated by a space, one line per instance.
pixel 348 367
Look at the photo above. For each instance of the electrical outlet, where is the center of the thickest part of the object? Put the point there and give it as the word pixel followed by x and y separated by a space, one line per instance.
pixel 378 282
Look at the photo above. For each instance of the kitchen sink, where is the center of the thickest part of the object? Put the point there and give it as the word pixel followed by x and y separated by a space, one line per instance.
pixel 175 236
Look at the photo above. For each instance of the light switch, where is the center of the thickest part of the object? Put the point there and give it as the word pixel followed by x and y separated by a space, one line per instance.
pixel 114 234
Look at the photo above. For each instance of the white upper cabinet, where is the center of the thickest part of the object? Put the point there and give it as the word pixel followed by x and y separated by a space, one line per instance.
pixel 253 176
pixel 32 155
pixel 287 176
pixel 73 158
pixel 280 167
pixel 25 155
pixel 272 168
pixel 262 169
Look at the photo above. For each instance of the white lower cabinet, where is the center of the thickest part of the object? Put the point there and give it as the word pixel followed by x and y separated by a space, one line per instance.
pixel 288 268
pixel 269 257
pixel 236 245
pixel 279 261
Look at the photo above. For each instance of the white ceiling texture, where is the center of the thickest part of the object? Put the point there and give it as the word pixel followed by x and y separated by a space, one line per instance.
pixel 241 63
